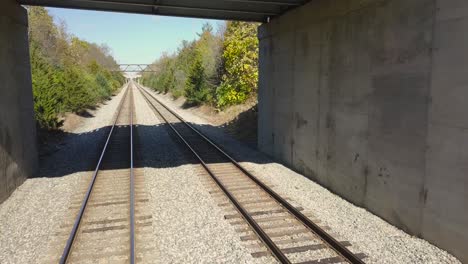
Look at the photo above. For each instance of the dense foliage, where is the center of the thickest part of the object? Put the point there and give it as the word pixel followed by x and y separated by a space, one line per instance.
pixel 68 74
pixel 217 68
pixel 196 87
pixel 240 56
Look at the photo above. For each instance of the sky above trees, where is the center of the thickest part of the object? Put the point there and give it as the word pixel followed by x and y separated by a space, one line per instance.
pixel 132 38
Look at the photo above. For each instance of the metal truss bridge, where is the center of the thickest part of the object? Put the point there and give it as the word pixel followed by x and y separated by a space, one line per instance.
pixel 140 68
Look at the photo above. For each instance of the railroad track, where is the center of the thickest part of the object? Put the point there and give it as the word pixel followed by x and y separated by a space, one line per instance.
pixel 270 224
pixel 105 226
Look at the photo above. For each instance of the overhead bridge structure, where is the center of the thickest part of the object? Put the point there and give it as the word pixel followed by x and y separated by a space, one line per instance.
pixel 366 97
pixel 247 10
pixel 139 68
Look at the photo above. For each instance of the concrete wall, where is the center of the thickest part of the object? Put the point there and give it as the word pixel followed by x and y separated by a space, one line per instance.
pixel 369 98
pixel 18 154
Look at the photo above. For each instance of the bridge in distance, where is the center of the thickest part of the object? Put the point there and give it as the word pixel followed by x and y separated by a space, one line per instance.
pixel 139 68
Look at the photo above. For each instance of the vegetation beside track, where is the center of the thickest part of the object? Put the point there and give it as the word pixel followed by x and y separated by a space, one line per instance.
pixel 68 74
pixel 219 68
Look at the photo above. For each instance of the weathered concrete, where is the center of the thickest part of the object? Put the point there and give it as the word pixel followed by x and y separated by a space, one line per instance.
pixel 368 97
pixel 18 154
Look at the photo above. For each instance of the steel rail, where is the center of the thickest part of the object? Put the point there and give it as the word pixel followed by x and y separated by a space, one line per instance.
pixel 334 244
pixel 76 225
pixel 132 186
pixel 257 229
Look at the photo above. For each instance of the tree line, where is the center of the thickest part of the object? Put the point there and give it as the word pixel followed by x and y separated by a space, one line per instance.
pixel 68 74
pixel 218 68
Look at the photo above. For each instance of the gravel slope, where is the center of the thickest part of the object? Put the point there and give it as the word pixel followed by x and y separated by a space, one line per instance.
pixel 382 242
pixel 32 215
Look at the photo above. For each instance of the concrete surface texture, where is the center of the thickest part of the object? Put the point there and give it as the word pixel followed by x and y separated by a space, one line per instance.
pixel 18 154
pixel 368 98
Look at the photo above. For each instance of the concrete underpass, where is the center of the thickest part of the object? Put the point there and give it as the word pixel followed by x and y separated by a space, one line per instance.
pixel 367 98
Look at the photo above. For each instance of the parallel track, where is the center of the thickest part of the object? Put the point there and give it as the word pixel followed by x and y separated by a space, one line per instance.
pixel 107 212
pixel 271 219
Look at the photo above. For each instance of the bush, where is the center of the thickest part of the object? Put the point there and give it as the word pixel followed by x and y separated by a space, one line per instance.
pixel 240 56
pixel 219 69
pixel 196 87
pixel 104 87
pixel 176 93
pixel 77 96
pixel 47 96
pixel 67 73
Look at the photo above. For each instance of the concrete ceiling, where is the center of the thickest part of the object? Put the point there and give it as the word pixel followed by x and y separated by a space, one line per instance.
pixel 246 10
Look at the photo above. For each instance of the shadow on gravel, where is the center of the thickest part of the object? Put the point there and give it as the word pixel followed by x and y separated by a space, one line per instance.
pixel 155 146
pixel 85 114
pixel 244 127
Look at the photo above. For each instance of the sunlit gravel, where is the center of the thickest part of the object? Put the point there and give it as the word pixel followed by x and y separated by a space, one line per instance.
pixel 369 234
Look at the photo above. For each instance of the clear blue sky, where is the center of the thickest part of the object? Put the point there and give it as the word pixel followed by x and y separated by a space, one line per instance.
pixel 132 38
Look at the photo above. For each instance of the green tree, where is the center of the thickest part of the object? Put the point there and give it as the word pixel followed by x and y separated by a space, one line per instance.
pixel 196 88
pixel 68 74
pixel 173 70
pixel 217 68
pixel 43 31
pixel 77 97
pixel 47 96
pixel 240 57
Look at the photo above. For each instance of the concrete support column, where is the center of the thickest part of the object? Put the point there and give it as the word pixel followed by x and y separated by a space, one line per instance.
pixel 18 152
pixel 445 214
pixel 369 98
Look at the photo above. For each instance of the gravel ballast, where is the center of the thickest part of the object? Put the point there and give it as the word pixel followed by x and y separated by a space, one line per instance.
pixel 188 226
pixel 369 234
pixel 31 217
